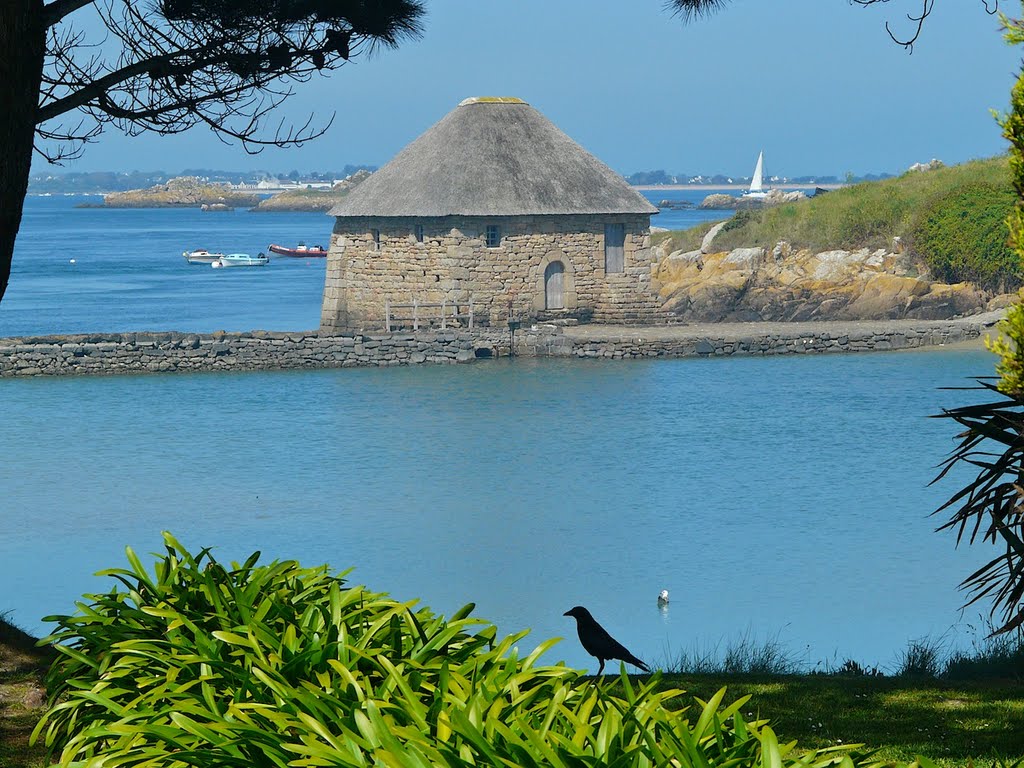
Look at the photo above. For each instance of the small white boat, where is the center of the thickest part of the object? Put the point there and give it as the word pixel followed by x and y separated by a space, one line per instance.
pixel 201 256
pixel 757 190
pixel 240 260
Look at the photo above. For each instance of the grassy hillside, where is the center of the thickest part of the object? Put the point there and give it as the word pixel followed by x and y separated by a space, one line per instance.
pixel 313 200
pixel 952 219
pixel 303 200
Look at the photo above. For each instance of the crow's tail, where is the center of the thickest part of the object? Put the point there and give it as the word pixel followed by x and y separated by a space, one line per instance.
pixel 631 659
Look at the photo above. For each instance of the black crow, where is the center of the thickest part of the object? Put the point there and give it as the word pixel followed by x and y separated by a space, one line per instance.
pixel 598 643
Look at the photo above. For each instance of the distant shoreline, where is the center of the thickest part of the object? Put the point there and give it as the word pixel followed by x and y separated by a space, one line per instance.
pixel 652 187
pixel 643 187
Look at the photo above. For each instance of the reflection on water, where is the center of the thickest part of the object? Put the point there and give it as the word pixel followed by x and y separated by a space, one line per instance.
pixel 775 496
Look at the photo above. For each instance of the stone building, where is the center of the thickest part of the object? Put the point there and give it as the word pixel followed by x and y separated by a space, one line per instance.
pixel 496 209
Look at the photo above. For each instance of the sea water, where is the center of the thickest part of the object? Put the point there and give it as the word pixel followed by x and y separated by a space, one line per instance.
pixel 94 270
pixel 779 498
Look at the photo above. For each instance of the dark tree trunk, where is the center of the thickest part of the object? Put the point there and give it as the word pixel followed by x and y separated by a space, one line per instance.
pixel 22 45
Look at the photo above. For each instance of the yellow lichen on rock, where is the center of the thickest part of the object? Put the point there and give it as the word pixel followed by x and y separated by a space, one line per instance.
pixel 783 284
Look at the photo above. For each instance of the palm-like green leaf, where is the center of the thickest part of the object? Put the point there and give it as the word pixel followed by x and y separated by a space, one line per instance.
pixel 990 505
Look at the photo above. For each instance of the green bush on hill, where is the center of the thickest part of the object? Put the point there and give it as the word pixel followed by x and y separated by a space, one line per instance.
pixel 279 665
pixel 953 218
pixel 962 235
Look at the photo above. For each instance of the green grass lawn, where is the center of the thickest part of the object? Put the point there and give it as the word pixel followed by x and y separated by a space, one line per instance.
pixel 952 724
pixel 21 670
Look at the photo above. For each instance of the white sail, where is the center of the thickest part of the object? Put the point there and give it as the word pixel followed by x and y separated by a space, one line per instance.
pixel 756 191
pixel 757 183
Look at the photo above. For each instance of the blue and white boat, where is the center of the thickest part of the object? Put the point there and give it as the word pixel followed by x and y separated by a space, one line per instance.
pixel 241 260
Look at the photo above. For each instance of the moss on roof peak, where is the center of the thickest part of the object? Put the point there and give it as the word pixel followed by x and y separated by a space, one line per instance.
pixel 491 100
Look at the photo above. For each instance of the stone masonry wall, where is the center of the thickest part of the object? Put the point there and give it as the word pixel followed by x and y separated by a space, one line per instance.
pixel 132 353
pixel 782 342
pixel 453 263
pixel 189 352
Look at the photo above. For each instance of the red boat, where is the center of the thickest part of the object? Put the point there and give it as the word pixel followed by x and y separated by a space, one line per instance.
pixel 301 251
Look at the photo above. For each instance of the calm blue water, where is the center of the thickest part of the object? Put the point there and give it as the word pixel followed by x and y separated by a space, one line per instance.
pixel 128 273
pixel 670 218
pixel 775 497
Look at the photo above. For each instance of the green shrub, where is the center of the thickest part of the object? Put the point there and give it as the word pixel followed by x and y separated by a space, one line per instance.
pixel 13 636
pixel 739 220
pixel 996 658
pixel 853 668
pixel 745 655
pixel 871 214
pixel 921 658
pixel 962 236
pixel 277 665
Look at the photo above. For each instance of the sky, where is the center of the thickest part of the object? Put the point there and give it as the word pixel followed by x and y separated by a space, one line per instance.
pixel 817 84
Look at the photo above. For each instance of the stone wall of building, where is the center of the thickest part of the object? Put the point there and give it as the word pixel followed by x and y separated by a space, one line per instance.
pixel 376 263
pixel 133 353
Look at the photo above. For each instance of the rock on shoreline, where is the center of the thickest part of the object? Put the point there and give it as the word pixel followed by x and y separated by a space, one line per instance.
pixel 192 192
pixel 785 284
pixel 720 201
pixel 181 192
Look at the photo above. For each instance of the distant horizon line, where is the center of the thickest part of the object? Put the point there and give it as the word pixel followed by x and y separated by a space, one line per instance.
pixel 262 173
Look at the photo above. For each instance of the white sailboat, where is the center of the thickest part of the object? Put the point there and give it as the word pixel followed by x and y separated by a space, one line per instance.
pixel 757 190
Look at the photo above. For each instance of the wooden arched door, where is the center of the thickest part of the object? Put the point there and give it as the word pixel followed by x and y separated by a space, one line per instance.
pixel 554 286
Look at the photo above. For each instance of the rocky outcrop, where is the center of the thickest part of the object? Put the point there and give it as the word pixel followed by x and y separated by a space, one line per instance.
pixel 931 165
pixel 722 201
pixel 719 201
pixel 783 284
pixel 181 192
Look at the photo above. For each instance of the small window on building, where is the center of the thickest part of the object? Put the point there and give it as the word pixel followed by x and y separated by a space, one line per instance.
pixel 614 248
pixel 376 239
pixel 492 238
pixel 419 233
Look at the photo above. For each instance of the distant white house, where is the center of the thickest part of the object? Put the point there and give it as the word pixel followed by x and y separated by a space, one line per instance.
pixel 278 185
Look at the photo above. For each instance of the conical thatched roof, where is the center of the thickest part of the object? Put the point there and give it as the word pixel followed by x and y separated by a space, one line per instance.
pixel 493 157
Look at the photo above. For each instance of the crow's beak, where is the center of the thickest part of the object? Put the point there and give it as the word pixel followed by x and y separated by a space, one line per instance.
pixel 567 613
